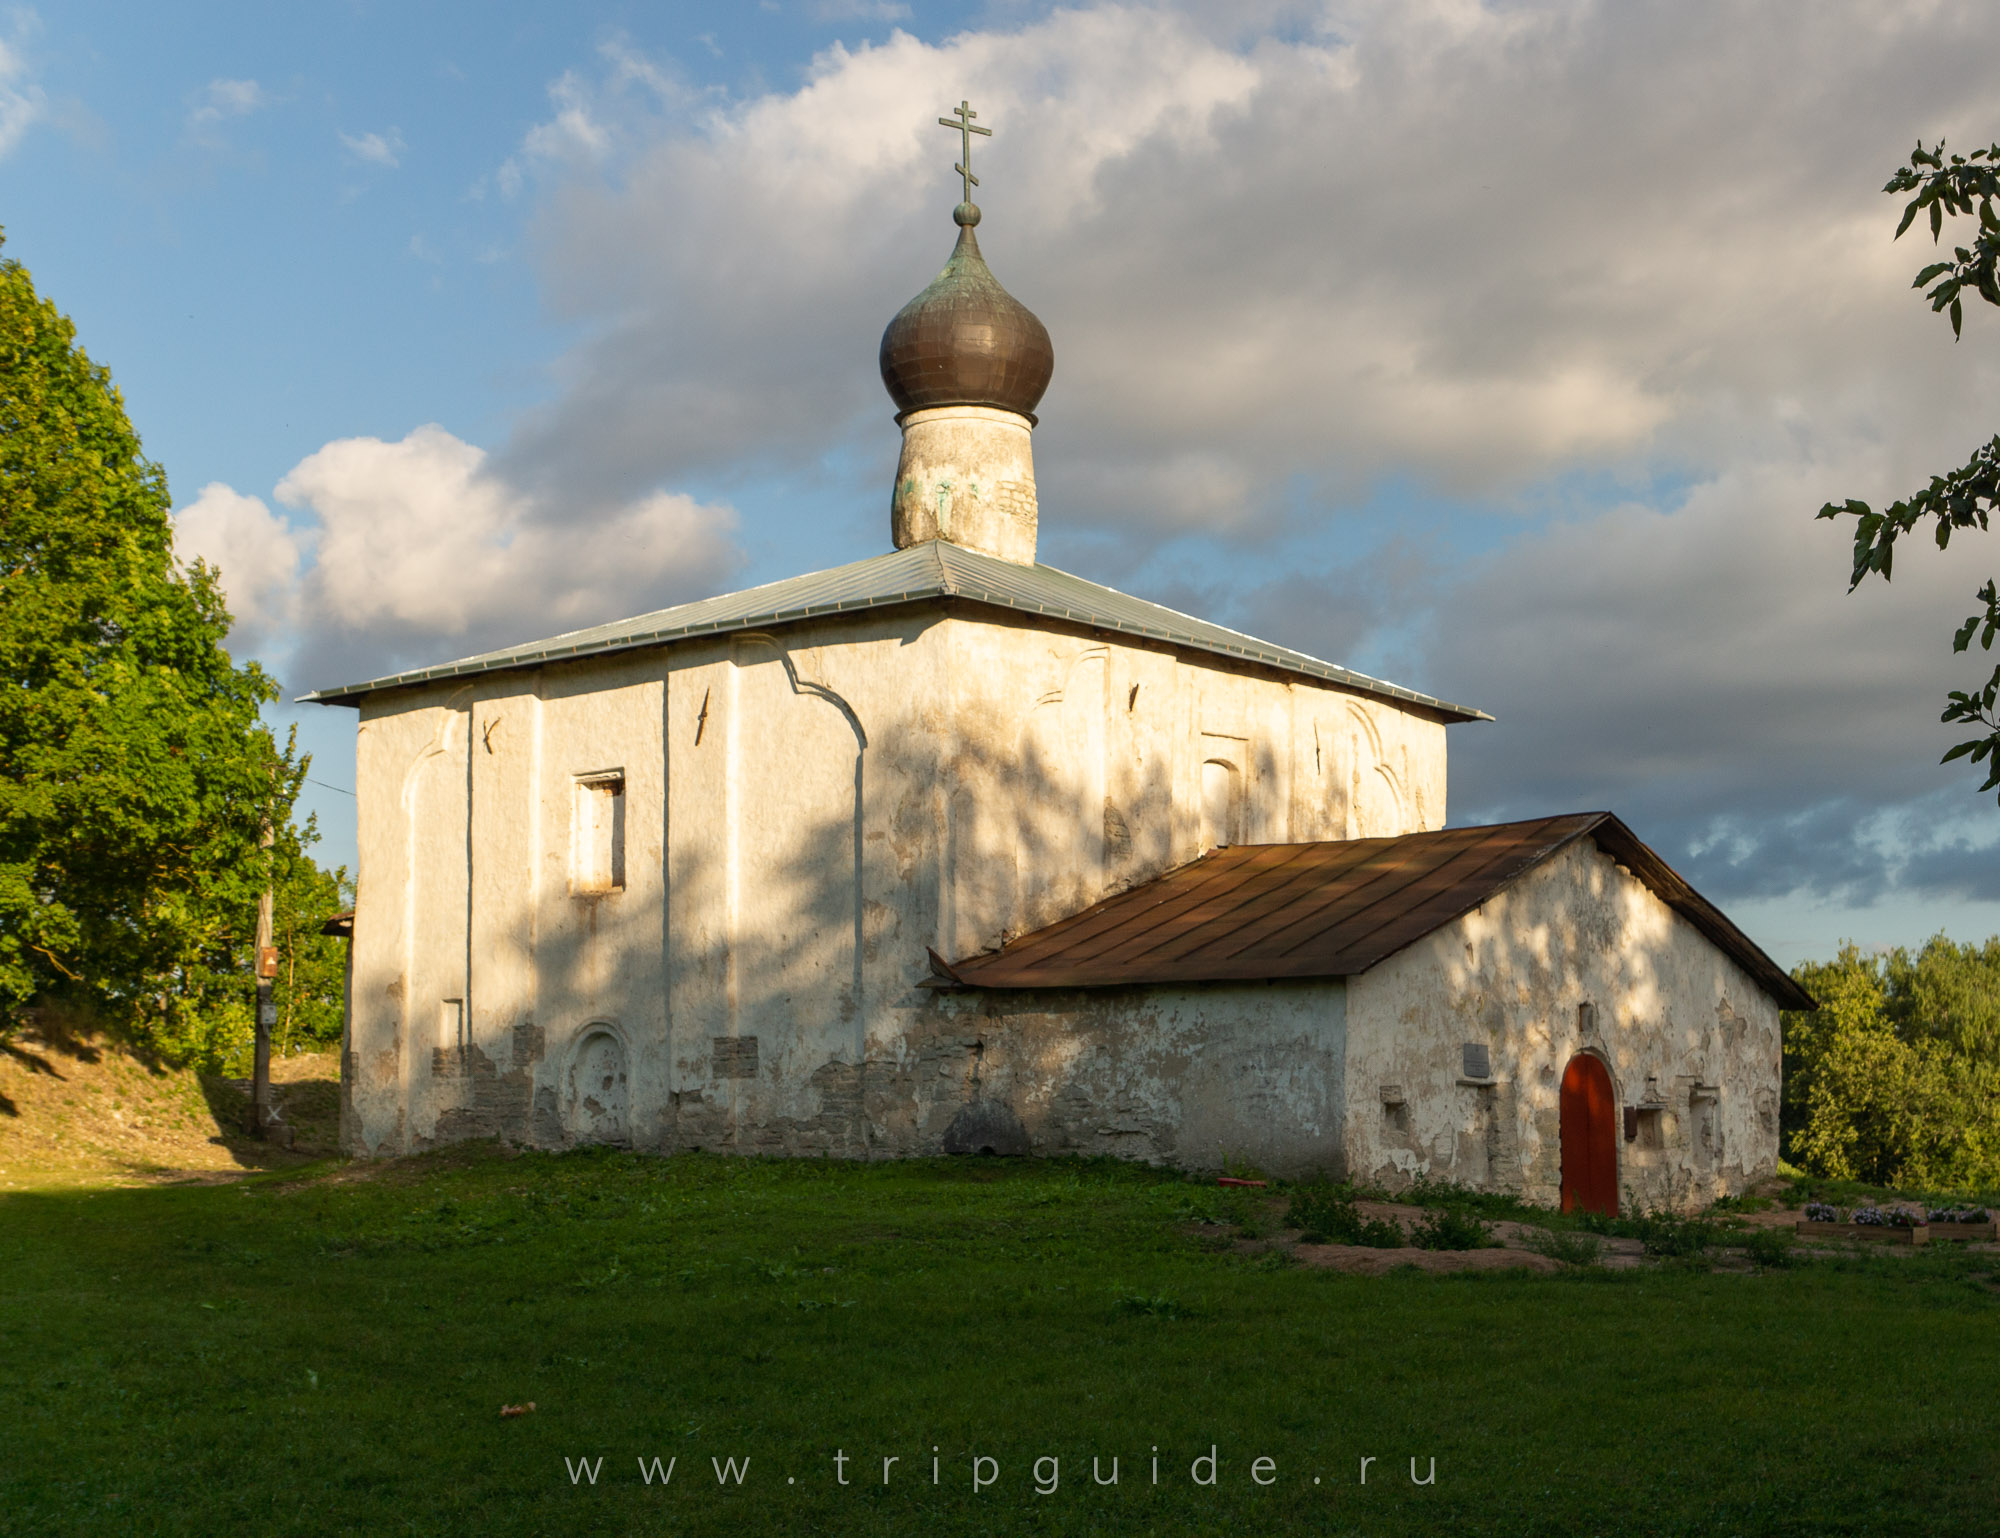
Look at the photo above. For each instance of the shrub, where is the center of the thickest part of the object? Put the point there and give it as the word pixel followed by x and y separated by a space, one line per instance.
pixel 1327 1215
pixel 1674 1238
pixel 1571 1249
pixel 1451 1228
pixel 1769 1248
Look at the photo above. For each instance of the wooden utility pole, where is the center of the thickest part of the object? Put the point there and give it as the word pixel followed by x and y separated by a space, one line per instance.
pixel 267 1008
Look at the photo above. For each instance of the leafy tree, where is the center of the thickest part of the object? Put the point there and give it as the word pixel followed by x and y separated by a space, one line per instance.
pixel 135 775
pixel 1850 994
pixel 1962 187
pixel 216 991
pixel 1895 1079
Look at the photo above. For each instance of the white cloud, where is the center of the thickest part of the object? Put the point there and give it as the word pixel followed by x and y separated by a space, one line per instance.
pixel 594 118
pixel 420 551
pixel 22 102
pixel 1473 244
pixel 222 99
pixel 1506 254
pixel 255 554
pixel 375 149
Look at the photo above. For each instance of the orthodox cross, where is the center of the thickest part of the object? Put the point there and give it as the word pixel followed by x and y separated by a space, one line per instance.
pixel 961 119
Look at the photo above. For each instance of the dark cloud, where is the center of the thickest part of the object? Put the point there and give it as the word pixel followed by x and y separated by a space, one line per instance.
pixel 1473 244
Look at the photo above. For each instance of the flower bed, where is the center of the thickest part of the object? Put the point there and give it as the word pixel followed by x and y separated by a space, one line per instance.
pixel 1962 1223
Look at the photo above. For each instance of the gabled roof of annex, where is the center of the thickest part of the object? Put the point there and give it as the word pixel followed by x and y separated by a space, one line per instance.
pixel 922 573
pixel 1332 909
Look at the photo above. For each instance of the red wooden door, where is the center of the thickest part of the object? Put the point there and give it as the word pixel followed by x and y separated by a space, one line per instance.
pixel 1589 1138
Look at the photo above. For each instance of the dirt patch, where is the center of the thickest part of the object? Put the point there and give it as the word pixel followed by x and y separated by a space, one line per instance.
pixel 413 1169
pixel 1514 1246
pixel 86 1113
pixel 1367 1262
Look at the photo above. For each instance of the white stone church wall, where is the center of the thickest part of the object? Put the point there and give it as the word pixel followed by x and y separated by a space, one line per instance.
pixel 1197 1076
pixel 1682 1029
pixel 804 813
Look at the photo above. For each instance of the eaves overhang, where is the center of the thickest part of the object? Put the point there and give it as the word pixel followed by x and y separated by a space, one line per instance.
pixel 922 573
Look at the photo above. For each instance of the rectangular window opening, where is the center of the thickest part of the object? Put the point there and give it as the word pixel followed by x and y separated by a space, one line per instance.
pixel 452 1026
pixel 600 833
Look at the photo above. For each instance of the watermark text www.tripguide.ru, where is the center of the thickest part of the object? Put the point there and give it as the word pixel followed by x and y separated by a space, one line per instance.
pixel 982 1472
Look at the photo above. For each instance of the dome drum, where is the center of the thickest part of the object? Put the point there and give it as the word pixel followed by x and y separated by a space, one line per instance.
pixel 967 475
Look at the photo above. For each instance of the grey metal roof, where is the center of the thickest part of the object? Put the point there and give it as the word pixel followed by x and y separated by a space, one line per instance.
pixel 921 573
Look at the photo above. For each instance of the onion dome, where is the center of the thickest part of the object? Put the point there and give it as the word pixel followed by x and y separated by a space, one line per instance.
pixel 966 341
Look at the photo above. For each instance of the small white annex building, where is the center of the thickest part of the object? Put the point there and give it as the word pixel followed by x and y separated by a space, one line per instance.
pixel 949 851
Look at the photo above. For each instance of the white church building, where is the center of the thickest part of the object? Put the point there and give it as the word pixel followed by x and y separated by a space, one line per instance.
pixel 949 851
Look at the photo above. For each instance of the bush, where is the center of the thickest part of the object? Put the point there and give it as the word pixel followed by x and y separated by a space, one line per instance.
pixel 1674 1238
pixel 1429 1191
pixel 1572 1249
pixel 1451 1228
pixel 1769 1248
pixel 1327 1215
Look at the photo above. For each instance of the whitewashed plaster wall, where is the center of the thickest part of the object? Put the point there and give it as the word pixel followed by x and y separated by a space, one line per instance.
pixel 1197 1076
pixel 1684 1031
pixel 806 812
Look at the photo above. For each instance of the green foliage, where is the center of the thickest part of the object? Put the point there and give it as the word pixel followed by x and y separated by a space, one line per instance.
pixel 1451 1228
pixel 1430 1191
pixel 1895 1079
pixel 1965 186
pixel 310 988
pixel 1327 1215
pixel 1572 1249
pixel 135 775
pixel 1669 1235
pixel 1740 1203
pixel 1673 1237
pixel 1245 1213
pixel 1768 1248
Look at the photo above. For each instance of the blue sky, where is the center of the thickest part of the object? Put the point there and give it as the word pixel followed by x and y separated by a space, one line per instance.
pixel 1504 350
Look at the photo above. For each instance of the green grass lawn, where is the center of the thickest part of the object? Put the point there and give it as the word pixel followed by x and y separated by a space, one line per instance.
pixel 327 1351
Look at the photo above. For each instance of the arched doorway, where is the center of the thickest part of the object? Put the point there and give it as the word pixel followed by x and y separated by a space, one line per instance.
pixel 1589 1138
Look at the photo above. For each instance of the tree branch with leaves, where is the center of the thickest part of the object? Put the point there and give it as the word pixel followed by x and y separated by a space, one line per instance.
pixel 1961 187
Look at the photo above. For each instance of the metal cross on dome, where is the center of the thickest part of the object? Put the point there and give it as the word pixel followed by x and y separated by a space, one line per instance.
pixel 961 119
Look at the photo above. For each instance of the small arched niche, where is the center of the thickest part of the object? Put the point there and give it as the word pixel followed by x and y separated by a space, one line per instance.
pixel 596 1098
pixel 1221 804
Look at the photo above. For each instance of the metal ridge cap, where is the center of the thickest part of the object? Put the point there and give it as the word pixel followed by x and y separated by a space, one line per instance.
pixel 1240 643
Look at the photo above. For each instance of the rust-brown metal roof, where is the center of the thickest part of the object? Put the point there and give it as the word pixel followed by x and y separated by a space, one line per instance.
pixel 1327 910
